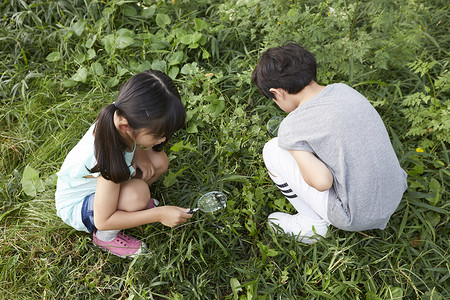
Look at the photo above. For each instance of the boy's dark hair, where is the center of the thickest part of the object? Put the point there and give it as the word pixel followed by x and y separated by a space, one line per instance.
pixel 148 100
pixel 290 67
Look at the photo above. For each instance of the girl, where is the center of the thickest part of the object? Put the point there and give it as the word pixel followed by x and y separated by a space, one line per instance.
pixel 103 183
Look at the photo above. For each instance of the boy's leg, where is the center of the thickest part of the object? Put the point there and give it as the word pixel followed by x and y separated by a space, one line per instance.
pixel 285 173
pixel 310 203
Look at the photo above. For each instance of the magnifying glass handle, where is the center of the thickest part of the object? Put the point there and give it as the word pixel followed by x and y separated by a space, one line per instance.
pixel 193 210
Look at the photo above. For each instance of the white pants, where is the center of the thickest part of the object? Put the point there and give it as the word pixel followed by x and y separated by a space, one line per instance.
pixel 285 173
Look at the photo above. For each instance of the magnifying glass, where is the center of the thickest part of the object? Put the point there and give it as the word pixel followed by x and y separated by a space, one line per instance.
pixel 210 202
pixel 273 124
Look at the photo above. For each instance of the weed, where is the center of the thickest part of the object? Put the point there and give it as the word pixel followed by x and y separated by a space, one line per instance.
pixel 61 61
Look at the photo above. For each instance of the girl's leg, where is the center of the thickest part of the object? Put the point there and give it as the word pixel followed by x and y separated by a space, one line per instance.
pixel 310 204
pixel 139 190
pixel 134 195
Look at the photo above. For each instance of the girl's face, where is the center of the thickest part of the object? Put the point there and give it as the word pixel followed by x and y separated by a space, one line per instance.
pixel 146 139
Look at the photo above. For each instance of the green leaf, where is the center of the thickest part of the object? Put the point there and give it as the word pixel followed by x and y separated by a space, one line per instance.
pixel 171 178
pixel 191 39
pixel 251 227
pixel 81 75
pixel 372 296
pixel 192 128
pixel 69 83
pixel 176 58
pixel 434 188
pixel 205 54
pixel 235 286
pixel 189 69
pixel 181 145
pixel 173 72
pixel 272 252
pixel 121 2
pixel 159 65
pixel 121 71
pixel 80 58
pixel 432 295
pixel 196 36
pixel 91 54
pixel 193 46
pixel 148 12
pixel 434 185
pixel 112 82
pixel 200 24
pixel 90 42
pixel 403 223
pixel 186 39
pixel 31 183
pixel 221 246
pixel 54 56
pixel 78 28
pixel 433 218
pixel 248 3
pixel 108 42
pixel 97 68
pixel 129 11
pixel 51 181
pixel 162 20
pixel 217 105
pixel 395 293
pixel 123 41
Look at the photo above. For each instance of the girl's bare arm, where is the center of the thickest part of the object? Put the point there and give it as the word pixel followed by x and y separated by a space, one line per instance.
pixel 108 217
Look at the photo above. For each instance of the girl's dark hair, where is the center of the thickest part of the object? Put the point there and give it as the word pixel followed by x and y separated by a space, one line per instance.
pixel 290 67
pixel 148 100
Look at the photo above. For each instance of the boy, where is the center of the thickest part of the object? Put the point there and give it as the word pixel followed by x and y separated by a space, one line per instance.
pixel 332 159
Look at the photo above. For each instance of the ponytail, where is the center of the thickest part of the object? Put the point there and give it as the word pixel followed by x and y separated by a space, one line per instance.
pixel 150 101
pixel 109 147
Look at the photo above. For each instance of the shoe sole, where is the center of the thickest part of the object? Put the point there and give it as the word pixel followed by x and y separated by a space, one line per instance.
pixel 141 250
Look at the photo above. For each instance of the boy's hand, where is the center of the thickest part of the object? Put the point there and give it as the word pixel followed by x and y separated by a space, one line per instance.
pixel 174 215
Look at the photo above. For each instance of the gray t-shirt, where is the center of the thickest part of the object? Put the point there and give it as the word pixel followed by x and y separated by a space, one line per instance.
pixel 343 130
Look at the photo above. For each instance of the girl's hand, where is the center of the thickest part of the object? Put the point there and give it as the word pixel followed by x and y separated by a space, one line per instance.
pixel 144 171
pixel 174 215
pixel 143 163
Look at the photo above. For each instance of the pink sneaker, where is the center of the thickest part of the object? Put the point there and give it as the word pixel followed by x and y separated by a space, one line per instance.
pixel 152 203
pixel 122 245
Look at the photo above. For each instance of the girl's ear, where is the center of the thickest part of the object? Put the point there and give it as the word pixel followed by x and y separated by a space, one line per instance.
pixel 122 123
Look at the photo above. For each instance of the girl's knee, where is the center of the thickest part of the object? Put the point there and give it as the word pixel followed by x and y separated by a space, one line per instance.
pixel 142 194
pixel 160 162
pixel 134 196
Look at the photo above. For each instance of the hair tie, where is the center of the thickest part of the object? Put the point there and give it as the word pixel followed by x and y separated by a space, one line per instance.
pixel 115 105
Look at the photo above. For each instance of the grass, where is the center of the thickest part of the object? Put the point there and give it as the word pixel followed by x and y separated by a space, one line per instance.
pixel 60 62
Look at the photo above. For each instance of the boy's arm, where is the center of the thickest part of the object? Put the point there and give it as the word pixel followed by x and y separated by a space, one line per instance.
pixel 314 171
